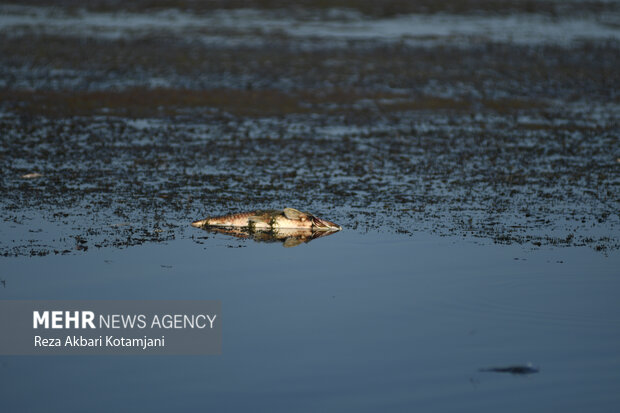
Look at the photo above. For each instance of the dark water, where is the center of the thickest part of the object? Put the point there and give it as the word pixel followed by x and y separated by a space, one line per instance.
pixel 354 321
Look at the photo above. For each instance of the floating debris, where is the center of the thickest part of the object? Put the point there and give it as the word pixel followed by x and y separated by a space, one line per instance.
pixel 32 175
pixel 121 224
pixel 518 370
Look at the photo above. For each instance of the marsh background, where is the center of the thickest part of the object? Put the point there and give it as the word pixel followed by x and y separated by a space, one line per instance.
pixel 470 149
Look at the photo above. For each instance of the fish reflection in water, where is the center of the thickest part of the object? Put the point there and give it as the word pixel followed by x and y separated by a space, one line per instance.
pixel 288 237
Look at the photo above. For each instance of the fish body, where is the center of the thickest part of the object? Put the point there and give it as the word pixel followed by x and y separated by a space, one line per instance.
pixel 270 220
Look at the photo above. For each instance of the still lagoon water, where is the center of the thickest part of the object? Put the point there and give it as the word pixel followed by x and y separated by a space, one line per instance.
pixel 351 322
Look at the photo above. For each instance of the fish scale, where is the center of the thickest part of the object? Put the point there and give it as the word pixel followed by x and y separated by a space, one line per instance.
pixel 236 220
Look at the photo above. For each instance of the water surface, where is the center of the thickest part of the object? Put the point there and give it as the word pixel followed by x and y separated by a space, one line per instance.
pixel 354 321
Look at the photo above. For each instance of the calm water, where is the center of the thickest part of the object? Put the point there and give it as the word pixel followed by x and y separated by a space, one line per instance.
pixel 351 322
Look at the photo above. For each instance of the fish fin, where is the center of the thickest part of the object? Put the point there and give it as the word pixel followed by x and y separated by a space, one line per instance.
pixel 292 242
pixel 259 222
pixel 294 214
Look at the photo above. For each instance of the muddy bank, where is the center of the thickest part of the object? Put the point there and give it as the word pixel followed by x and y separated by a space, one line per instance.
pixel 134 137
pixel 368 7
pixel 118 182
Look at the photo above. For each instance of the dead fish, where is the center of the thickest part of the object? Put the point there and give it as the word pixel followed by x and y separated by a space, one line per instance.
pixel 527 369
pixel 290 237
pixel 270 220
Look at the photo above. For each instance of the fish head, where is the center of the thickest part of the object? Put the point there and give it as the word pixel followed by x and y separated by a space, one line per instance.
pixel 323 224
pixel 316 223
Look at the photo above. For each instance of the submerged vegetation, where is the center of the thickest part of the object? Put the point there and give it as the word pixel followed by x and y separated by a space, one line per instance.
pixel 118 140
